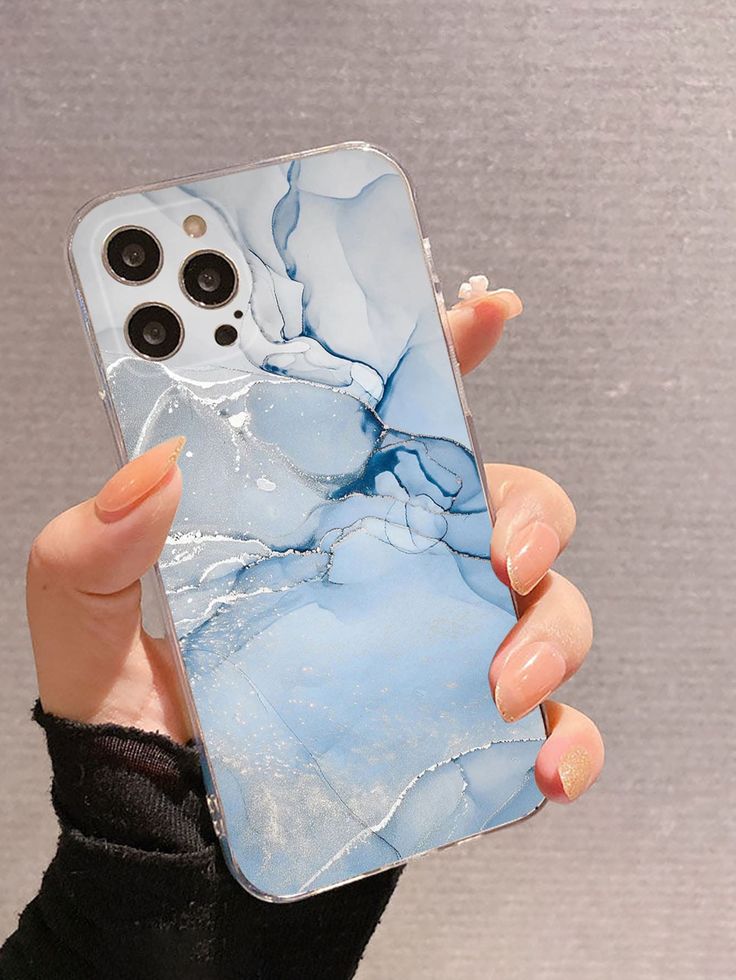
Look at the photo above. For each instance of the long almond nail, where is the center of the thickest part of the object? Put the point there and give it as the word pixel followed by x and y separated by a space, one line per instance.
pixel 529 675
pixel 530 552
pixel 575 769
pixel 137 480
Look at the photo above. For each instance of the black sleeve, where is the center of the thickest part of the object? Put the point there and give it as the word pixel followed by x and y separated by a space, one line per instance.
pixel 138 888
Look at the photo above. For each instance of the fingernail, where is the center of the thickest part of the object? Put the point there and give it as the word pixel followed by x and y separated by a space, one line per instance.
pixel 529 675
pixel 511 301
pixel 575 769
pixel 475 299
pixel 530 552
pixel 137 480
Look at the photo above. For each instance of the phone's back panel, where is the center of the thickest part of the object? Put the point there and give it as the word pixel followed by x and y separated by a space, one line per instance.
pixel 328 569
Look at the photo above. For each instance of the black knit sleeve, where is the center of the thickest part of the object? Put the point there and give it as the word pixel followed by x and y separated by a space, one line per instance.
pixel 138 888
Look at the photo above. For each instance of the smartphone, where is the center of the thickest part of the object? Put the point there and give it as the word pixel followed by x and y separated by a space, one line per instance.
pixel 327 582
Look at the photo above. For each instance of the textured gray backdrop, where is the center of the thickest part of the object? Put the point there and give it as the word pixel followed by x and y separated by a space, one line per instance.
pixel 581 152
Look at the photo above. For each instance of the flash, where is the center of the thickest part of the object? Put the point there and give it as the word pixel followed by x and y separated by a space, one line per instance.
pixel 195 226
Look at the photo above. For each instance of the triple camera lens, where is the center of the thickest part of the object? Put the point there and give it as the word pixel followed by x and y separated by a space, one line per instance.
pixel 133 255
pixel 209 279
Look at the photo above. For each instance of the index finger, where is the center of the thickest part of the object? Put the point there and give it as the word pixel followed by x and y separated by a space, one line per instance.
pixel 477 323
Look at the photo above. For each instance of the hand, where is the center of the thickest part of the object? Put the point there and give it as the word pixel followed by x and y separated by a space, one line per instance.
pixel 95 663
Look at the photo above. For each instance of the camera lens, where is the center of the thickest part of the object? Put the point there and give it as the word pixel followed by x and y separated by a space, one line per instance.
pixel 154 331
pixel 133 255
pixel 209 279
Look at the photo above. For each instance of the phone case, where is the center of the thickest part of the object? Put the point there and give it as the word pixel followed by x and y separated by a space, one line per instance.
pixel 327 574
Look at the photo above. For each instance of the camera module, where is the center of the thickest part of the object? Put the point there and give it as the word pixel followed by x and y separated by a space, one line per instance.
pixel 154 331
pixel 209 279
pixel 132 255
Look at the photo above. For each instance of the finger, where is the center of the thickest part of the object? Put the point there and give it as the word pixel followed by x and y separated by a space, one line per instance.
pixel 545 648
pixel 83 581
pixel 572 758
pixel 534 520
pixel 477 322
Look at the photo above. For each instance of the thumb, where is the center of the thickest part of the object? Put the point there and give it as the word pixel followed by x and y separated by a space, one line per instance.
pixel 83 588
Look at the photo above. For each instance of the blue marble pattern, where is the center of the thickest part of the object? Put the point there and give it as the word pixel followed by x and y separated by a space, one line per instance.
pixel 328 568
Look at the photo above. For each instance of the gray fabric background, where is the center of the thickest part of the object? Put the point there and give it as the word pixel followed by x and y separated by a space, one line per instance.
pixel 581 152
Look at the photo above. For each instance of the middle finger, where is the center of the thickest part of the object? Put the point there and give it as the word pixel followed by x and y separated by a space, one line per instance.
pixel 545 648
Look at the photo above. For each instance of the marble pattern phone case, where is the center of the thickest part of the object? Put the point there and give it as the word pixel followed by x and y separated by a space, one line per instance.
pixel 328 570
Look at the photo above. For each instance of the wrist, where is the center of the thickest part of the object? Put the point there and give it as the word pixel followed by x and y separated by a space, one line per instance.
pixel 126 786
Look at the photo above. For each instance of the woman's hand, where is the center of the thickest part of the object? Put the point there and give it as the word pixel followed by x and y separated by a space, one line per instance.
pixel 95 663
